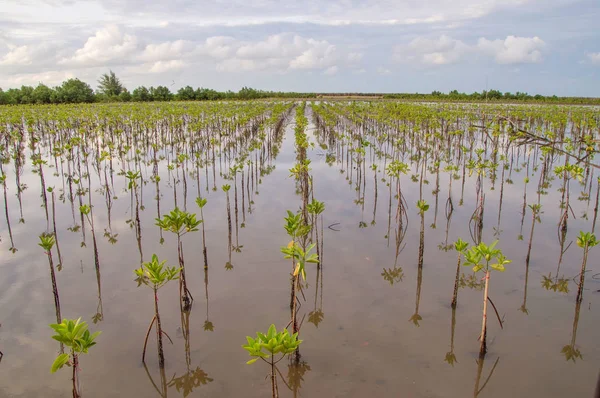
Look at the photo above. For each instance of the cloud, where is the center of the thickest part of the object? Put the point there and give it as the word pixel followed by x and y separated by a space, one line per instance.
pixel 513 50
pixel 21 55
pixel 593 57
pixel 332 70
pixel 108 45
pixel 445 50
pixel 49 78
pixel 280 53
pixel 383 71
pixel 438 51
pixel 166 50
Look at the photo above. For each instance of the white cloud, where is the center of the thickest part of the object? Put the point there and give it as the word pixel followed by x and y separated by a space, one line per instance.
pixel 49 78
pixel 332 70
pixel 219 47
pixel 164 66
pixel 383 71
pixel 281 53
pixel 438 51
pixel 108 44
pixel 21 55
pixel 593 57
pixel 513 49
pixel 166 50
pixel 445 50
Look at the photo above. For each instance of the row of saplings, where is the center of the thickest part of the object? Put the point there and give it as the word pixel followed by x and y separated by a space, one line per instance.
pixel 273 346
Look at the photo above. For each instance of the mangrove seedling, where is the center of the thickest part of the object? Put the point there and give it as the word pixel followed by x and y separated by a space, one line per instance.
pixel 201 202
pixel 47 242
pixel 460 246
pixel 586 241
pixel 266 347
pixel 75 335
pixel 485 258
pixel 180 223
pixel 156 275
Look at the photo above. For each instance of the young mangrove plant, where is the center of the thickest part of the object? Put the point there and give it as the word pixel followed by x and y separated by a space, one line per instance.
pixel 75 335
pixel 460 246
pixel 267 347
pixel 156 275
pixel 201 202
pixel 47 242
pixel 300 255
pixel 485 258
pixel 180 223
pixel 226 189
pixel 586 241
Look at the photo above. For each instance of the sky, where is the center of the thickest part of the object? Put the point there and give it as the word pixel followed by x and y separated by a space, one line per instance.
pixel 536 46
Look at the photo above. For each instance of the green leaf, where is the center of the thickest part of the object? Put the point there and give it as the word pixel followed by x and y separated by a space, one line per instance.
pixel 59 362
pixel 498 267
pixel 250 362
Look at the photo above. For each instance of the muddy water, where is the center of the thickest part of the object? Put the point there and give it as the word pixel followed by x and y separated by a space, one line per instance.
pixel 361 341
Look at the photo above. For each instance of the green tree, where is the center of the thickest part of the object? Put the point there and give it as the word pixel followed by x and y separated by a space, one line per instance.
pixel 110 85
pixel 161 93
pixel 42 94
pixel 125 96
pixel 141 94
pixel 186 93
pixel 75 91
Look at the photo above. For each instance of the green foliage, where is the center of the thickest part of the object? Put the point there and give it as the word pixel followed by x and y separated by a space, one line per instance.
pixel 85 209
pixel 179 222
pixel 422 206
pixel 294 251
pixel 47 241
pixel 460 245
pixel 132 178
pixel 586 240
pixel 155 273
pixel 271 344
pixel 201 202
pixel 110 85
pixel 484 257
pixel 75 335
pixel 315 207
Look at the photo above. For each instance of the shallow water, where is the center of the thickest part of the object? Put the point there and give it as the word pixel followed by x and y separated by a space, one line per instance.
pixel 365 343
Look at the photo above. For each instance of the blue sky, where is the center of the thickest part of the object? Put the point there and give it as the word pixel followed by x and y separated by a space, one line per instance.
pixel 537 46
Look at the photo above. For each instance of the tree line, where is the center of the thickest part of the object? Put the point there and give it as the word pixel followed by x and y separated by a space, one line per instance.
pixel 111 89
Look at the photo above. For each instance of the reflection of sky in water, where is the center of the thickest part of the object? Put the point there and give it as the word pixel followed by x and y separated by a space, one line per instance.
pixel 364 345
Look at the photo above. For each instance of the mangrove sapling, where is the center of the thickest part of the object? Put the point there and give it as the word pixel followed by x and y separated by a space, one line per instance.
pixel 180 223
pixel 423 207
pixel 485 258
pixel 266 347
pixel 47 242
pixel 300 255
pixel 60 262
pixel 226 189
pixel 201 202
pixel 316 208
pixel 460 246
pixel 586 241
pixel 535 217
pixel 155 275
pixel 13 249
pixel 75 335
